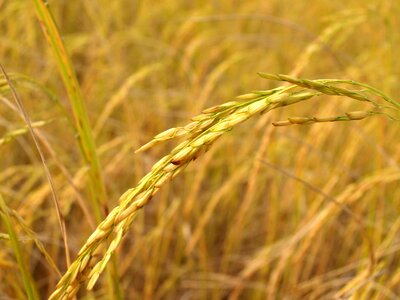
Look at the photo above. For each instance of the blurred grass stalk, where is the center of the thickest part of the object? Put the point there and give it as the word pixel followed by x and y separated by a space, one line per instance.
pixel 29 283
pixel 83 128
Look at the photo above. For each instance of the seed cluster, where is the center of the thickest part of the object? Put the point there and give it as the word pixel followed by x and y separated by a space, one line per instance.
pixel 199 135
pixel 349 116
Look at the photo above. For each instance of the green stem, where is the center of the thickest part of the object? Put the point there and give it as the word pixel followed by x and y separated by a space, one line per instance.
pixel 83 128
pixel 29 284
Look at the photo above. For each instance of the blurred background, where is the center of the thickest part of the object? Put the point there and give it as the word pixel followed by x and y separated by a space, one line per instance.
pixel 298 212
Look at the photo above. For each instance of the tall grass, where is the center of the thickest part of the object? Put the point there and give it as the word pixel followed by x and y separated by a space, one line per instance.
pixel 83 128
pixel 29 284
pixel 267 212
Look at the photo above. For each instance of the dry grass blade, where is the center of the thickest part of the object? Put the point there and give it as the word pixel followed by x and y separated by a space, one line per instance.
pixel 28 122
pixel 9 136
pixel 32 236
pixel 351 194
pixel 359 221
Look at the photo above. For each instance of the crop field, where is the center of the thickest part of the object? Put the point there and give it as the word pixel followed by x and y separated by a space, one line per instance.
pixel 210 150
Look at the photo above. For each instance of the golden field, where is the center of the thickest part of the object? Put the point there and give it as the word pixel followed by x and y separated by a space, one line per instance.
pixel 307 211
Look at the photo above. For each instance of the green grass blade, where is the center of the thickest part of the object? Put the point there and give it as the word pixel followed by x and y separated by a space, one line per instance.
pixel 86 140
pixel 29 284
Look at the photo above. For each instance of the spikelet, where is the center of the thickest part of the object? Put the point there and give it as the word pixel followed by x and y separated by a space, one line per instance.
pixel 199 135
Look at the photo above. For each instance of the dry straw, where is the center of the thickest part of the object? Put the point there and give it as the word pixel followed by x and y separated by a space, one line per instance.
pixel 199 135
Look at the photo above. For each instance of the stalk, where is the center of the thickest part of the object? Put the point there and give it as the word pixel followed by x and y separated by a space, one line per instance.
pixel 84 132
